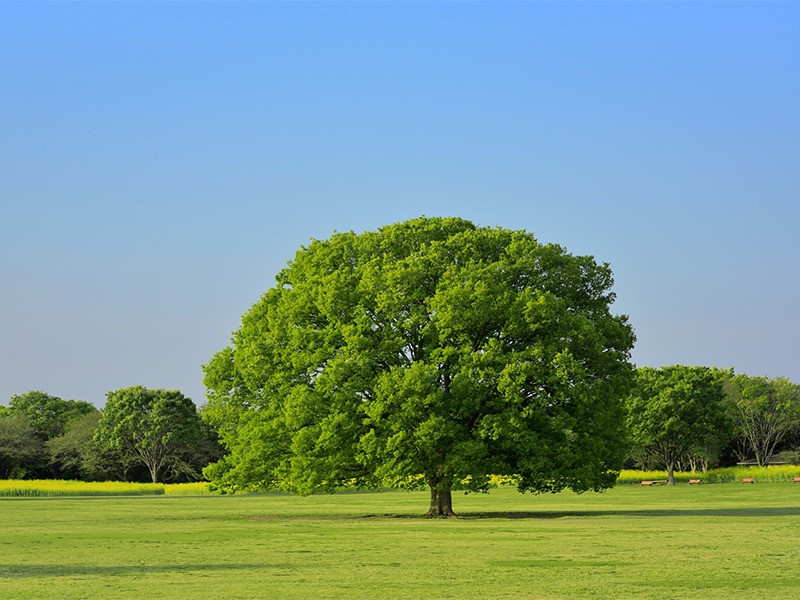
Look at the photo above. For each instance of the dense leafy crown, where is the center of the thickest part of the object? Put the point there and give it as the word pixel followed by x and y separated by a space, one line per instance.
pixel 430 350
pixel 49 415
pixel 679 411
pixel 154 425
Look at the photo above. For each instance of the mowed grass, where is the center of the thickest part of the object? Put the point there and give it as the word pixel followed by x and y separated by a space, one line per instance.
pixel 712 541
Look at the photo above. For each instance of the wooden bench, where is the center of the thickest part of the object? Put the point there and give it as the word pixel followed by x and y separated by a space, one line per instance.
pixel 748 480
pixel 694 481
pixel 796 480
pixel 655 482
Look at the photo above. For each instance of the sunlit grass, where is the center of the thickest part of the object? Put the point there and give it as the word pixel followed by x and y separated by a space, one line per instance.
pixel 629 542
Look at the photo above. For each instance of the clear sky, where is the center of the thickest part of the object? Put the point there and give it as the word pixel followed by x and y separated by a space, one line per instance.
pixel 160 162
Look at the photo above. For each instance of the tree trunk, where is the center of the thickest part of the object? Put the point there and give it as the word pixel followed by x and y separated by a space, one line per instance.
pixel 441 502
pixel 760 458
pixel 671 474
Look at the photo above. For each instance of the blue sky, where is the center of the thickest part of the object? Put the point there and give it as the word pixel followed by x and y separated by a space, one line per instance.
pixel 160 162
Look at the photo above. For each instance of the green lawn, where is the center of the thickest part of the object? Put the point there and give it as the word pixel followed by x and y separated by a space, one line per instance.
pixel 707 541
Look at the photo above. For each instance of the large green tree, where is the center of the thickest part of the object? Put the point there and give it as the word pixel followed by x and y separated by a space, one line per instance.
pixel 427 352
pixel 678 411
pixel 153 426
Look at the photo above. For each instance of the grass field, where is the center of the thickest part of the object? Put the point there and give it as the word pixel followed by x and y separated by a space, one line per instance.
pixel 713 541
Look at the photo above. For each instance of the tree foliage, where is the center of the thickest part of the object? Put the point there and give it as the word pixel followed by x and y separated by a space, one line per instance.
pixel 429 352
pixel 188 464
pixel 21 451
pixel 153 426
pixel 677 412
pixel 49 415
pixel 766 411
pixel 75 454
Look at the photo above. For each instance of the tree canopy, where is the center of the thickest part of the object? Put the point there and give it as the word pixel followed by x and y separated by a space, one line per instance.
pixel 49 415
pixel 766 411
pixel 21 450
pixel 676 412
pixel 153 426
pixel 75 455
pixel 427 352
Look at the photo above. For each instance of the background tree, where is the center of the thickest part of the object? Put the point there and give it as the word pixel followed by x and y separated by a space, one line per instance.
pixel 75 455
pixel 432 352
pixel 188 465
pixel 21 451
pixel 48 418
pixel 49 415
pixel 677 412
pixel 155 426
pixel 766 412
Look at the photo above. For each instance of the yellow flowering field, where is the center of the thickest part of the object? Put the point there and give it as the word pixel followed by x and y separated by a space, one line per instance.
pixel 58 487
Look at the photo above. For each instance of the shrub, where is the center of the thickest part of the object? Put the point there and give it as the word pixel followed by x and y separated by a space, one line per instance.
pixel 792 457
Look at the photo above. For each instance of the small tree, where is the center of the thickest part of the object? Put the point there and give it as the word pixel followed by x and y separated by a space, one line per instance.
pixel 678 412
pixel 766 411
pixel 155 426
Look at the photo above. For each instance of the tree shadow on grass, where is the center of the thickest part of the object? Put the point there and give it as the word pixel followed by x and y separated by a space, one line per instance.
pixel 22 571
pixel 748 512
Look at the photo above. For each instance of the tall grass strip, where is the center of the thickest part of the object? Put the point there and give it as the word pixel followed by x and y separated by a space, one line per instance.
pixel 773 474
pixel 198 488
pixel 58 487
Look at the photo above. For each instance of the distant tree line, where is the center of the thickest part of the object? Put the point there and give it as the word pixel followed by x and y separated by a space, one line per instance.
pixel 679 418
pixel 140 435
pixel 693 418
